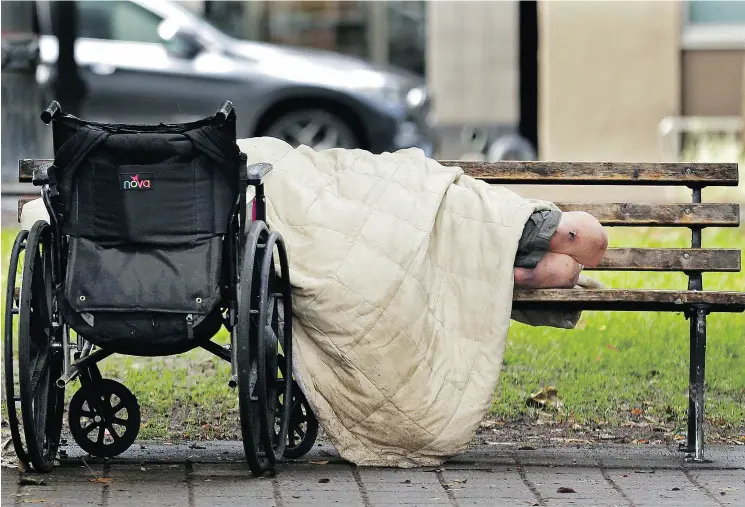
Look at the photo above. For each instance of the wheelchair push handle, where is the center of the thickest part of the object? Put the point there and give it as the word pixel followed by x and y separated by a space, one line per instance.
pixel 224 112
pixel 52 111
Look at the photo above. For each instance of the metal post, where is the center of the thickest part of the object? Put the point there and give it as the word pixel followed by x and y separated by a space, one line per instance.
pixel 260 201
pixel 696 387
pixel 697 356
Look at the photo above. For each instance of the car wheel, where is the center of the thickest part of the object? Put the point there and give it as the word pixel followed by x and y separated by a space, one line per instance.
pixel 315 128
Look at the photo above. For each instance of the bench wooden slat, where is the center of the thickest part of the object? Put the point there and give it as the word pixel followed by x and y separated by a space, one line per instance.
pixel 626 300
pixel 600 173
pixel 561 173
pixel 660 215
pixel 670 259
pixel 26 168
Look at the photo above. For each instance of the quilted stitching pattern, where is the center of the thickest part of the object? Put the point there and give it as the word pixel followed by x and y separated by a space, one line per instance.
pixel 402 285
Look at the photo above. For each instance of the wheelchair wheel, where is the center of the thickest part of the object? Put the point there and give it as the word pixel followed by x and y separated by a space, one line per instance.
pixel 104 417
pixel 12 311
pixel 257 347
pixel 39 353
pixel 303 426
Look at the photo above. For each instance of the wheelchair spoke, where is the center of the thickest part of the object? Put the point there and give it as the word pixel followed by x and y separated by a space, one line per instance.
pixel 90 428
pixel 119 420
pixel 101 434
pixel 113 433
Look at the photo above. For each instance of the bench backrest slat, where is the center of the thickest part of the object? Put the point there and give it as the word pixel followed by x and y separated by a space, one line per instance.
pixel 632 214
pixel 601 173
pixel 561 173
pixel 26 168
pixel 670 259
pixel 660 215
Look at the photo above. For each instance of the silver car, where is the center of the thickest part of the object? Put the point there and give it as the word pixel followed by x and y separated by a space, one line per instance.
pixel 151 61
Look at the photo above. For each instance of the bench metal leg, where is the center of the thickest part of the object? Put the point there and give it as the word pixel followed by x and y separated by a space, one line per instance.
pixel 695 442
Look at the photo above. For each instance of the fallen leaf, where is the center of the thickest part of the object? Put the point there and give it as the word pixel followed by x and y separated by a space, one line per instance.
pixel 547 397
pixel 565 490
pixel 196 446
pixel 324 462
pixel 407 481
pixel 102 480
pixel 324 481
pixel 637 411
pixel 449 485
pixel 675 489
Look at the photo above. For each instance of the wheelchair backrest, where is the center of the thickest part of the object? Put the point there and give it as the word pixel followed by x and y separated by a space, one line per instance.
pixel 152 185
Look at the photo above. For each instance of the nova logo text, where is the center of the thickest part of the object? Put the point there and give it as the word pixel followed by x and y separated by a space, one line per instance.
pixel 139 181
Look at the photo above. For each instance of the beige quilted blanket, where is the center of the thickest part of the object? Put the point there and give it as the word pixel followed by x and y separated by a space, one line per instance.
pixel 402 289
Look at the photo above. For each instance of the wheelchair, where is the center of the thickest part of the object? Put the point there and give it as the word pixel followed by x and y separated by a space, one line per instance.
pixel 150 249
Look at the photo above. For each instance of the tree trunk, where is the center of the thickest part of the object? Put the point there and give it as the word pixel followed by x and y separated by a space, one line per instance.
pixel 69 87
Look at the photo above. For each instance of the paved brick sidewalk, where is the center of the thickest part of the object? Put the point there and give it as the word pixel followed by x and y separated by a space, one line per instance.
pixel 215 476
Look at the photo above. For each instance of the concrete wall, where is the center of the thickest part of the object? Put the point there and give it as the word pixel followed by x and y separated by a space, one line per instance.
pixel 472 61
pixel 609 72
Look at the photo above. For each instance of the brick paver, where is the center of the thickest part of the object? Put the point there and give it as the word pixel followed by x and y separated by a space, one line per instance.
pixel 216 477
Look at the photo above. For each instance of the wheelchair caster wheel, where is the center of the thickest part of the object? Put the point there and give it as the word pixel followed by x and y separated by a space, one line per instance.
pixel 303 428
pixel 104 418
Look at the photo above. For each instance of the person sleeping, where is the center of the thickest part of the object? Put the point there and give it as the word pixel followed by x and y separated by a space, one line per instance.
pixel 555 247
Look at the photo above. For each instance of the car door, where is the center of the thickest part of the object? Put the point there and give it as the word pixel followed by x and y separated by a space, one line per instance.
pixel 131 75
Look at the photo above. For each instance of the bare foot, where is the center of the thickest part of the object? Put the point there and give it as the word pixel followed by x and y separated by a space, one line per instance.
pixel 581 236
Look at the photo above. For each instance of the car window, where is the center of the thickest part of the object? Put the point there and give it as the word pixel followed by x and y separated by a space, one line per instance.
pixel 117 20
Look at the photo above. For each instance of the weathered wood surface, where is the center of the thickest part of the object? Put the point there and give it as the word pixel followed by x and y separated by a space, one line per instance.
pixel 600 173
pixel 562 173
pixel 660 215
pixel 670 259
pixel 626 300
pixel 26 168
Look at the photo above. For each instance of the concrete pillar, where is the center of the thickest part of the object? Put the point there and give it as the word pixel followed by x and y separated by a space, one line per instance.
pixel 608 73
pixel 472 61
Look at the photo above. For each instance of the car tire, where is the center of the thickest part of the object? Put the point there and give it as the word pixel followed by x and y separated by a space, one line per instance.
pixel 316 128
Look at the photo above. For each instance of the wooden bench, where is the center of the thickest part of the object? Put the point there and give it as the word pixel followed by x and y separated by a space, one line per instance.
pixel 693 302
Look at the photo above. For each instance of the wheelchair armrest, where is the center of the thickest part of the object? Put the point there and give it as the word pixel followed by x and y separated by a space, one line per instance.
pixel 256 172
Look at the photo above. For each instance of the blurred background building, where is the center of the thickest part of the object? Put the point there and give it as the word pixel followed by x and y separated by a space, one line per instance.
pixel 576 80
